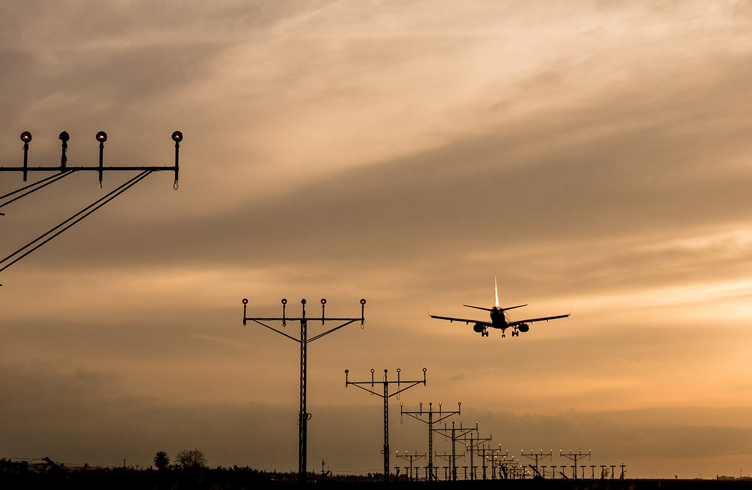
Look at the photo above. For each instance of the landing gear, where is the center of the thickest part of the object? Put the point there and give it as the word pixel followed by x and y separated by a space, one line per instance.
pixel 515 333
pixel 484 333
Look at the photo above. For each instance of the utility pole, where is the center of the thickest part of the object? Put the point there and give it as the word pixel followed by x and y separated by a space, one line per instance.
pixel 303 416
pixel 574 457
pixel 442 415
pixel 63 171
pixel 455 433
pixel 363 385
pixel 410 458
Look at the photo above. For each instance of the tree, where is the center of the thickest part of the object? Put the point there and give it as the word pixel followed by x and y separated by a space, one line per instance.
pixel 191 458
pixel 161 460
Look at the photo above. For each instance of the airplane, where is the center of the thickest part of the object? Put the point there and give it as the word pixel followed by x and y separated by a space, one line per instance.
pixel 499 319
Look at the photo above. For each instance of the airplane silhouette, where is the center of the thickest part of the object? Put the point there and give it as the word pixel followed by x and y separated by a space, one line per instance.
pixel 499 319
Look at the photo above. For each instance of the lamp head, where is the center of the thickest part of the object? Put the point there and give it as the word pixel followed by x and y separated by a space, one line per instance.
pixel 284 301
pixel 245 301
pixel 101 136
pixel 64 136
pixel 177 136
pixel 26 136
pixel 323 301
pixel 362 301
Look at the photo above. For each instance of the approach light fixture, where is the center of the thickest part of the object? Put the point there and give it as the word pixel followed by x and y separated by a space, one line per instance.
pixel 64 136
pixel 177 136
pixel 101 136
pixel 323 301
pixel 284 301
pixel 362 301
pixel 26 136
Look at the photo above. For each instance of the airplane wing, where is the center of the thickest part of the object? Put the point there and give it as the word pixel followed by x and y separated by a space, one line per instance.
pixel 467 321
pixel 533 320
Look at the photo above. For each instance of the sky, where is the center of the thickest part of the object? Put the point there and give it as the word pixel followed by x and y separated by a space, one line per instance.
pixel 593 156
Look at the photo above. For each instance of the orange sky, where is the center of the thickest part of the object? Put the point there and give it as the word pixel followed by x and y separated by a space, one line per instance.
pixel 592 156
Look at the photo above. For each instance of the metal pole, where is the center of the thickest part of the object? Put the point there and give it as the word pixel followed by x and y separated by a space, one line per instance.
pixel 454 457
pixel 386 427
pixel 430 442
pixel 303 417
pixel 472 463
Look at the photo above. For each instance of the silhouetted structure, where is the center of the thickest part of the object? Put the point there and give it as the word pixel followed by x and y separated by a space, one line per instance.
pixel 64 171
pixel 454 433
pixel 101 137
pixel 442 415
pixel 537 457
pixel 574 457
pixel 471 444
pixel 363 385
pixel 303 416
pixel 410 458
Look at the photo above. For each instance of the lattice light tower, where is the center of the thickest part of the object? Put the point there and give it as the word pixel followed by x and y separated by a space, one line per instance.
pixel 363 385
pixel 303 416
pixel 471 443
pixel 537 457
pixel 411 458
pixel 63 171
pixel 574 457
pixel 495 456
pixel 454 434
pixel 430 421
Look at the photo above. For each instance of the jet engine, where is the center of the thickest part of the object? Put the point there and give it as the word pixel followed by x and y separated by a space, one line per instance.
pixel 524 327
pixel 479 328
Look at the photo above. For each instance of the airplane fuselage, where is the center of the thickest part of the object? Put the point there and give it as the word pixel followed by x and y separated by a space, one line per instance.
pixel 498 318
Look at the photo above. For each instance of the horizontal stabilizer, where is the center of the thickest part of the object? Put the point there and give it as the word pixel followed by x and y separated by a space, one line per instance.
pixel 478 308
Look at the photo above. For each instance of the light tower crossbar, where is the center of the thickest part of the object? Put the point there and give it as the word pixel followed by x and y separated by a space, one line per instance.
pixel 65 171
